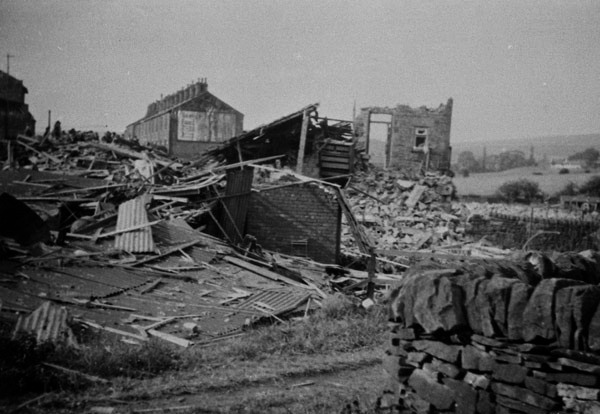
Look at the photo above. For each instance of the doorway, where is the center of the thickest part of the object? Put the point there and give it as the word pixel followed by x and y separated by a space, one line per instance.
pixel 380 139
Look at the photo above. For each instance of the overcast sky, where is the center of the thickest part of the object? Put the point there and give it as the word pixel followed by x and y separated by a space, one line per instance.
pixel 514 68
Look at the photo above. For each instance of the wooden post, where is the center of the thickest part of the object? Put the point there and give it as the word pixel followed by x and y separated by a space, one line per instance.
pixel 303 133
pixel 371 274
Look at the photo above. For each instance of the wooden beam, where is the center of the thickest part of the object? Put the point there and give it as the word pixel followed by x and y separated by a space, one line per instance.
pixel 300 161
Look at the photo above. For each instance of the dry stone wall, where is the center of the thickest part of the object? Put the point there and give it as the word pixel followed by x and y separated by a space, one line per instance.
pixel 495 337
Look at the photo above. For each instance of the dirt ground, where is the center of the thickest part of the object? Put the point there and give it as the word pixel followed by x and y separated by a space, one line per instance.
pixel 343 382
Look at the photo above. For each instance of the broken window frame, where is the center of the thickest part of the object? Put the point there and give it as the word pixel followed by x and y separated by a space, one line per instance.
pixel 421 134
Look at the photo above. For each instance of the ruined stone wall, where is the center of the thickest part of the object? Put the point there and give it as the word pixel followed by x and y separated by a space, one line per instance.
pixel 494 338
pixel 281 216
pixel 405 120
pixel 509 231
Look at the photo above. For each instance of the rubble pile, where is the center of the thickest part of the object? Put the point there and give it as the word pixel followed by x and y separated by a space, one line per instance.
pixel 497 336
pixel 402 212
pixel 545 212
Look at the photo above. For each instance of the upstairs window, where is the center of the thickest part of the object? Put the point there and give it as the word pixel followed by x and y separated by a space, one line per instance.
pixel 420 139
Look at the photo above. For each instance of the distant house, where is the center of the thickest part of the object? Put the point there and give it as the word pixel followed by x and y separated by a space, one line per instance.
pixel 15 117
pixel 188 122
pixel 417 138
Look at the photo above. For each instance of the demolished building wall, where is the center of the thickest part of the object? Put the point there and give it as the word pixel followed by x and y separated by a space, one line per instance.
pixel 301 220
pixel 419 138
pixel 15 117
pixel 187 123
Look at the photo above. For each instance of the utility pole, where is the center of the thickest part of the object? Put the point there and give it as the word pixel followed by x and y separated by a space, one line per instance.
pixel 8 56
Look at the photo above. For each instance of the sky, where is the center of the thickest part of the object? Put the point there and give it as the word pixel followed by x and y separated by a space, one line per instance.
pixel 515 69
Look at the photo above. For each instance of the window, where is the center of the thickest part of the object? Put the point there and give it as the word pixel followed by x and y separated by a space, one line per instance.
pixel 420 138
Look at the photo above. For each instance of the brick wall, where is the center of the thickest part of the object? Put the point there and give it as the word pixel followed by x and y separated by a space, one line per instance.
pixel 513 232
pixel 282 215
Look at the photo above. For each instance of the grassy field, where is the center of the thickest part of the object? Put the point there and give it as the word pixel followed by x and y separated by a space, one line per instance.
pixel 318 364
pixel 486 184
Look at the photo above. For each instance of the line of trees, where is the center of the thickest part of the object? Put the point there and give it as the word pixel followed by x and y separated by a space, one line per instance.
pixel 506 160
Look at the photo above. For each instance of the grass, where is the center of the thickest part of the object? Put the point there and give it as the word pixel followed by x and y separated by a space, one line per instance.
pixel 486 184
pixel 264 353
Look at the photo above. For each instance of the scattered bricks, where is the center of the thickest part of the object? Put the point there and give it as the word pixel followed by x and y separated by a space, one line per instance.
pixel 416 359
pixel 484 403
pixel 477 381
pixel 524 395
pixel 449 370
pixel 540 386
pixel 448 353
pixel 465 396
pixel 511 373
pixel 581 393
pixel 440 396
pixel 509 404
pixel 475 359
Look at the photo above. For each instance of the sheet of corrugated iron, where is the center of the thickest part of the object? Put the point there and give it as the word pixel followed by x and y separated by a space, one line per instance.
pixel 133 213
pixel 274 301
pixel 47 323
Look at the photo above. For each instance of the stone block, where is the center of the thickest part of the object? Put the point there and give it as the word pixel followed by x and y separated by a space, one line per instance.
pixel 439 304
pixel 574 309
pixel 580 366
pixel 440 350
pixel 585 380
pixel 477 381
pixel 523 395
pixel 511 373
pixel 440 396
pixel 540 386
pixel 447 369
pixel 416 359
pixel 504 402
pixel 497 295
pixel 484 403
pixel 594 331
pixel 519 297
pixel 475 359
pixel 465 396
pixel 538 317
pixel 581 393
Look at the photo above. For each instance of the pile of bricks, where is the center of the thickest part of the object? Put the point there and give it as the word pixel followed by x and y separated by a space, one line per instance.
pixel 494 338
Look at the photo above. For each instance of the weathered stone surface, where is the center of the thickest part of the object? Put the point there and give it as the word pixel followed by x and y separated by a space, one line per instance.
pixel 594 331
pixel 449 370
pixel 477 381
pixel 475 359
pixel 574 309
pixel 582 393
pixel 440 350
pixel 511 373
pixel 519 297
pixel 523 395
pixel 584 407
pixel 495 306
pixel 580 366
pixel 538 317
pixel 440 396
pixel 440 305
pixel 509 357
pixel 520 406
pixel 416 359
pixel 471 288
pixel 540 386
pixel 417 404
pixel 489 342
pixel 484 403
pixel 465 396
pixel 585 380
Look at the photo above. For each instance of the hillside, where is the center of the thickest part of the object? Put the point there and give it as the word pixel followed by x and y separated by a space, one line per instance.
pixel 557 146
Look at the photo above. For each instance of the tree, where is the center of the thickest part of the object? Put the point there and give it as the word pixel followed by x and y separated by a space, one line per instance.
pixel 588 156
pixel 591 187
pixel 522 190
pixel 467 161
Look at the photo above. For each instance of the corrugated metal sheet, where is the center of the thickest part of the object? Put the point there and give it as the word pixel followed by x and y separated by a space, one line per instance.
pixel 274 301
pixel 133 213
pixel 47 323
